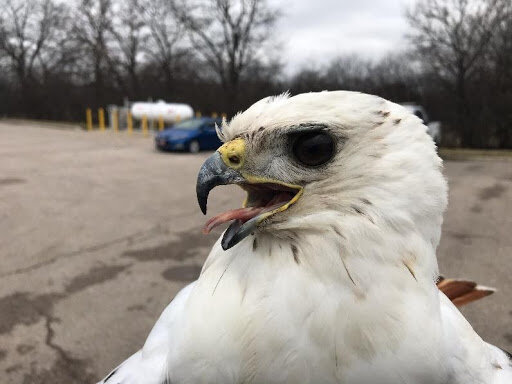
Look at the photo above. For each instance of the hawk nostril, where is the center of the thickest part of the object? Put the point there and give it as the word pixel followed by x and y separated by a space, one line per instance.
pixel 234 159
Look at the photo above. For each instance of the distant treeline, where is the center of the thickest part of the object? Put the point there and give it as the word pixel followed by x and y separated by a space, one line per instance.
pixel 57 58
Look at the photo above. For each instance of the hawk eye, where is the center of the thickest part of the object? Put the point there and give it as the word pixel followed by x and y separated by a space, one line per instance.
pixel 313 148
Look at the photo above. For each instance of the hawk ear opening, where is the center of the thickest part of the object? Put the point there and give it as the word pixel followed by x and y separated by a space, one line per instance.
pixel 461 292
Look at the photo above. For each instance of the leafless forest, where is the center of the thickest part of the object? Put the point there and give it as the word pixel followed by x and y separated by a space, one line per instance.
pixel 57 58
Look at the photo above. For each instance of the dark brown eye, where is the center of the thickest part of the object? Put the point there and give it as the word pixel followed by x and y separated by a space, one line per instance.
pixel 313 148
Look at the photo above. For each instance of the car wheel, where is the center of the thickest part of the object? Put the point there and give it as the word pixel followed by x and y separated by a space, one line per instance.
pixel 194 147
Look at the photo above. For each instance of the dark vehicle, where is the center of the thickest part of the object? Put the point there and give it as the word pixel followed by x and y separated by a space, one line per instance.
pixel 191 135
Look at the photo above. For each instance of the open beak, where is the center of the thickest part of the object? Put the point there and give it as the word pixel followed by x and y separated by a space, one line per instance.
pixel 264 197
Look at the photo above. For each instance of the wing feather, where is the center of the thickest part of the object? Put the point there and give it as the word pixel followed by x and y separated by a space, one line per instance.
pixel 148 365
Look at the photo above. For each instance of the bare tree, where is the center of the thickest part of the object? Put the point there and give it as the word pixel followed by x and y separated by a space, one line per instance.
pixel 92 32
pixel 496 77
pixel 228 34
pixel 28 34
pixel 392 77
pixel 130 36
pixel 396 77
pixel 450 37
pixel 166 47
pixel 349 72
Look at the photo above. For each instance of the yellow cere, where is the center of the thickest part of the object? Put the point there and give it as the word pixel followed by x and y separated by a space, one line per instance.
pixel 233 153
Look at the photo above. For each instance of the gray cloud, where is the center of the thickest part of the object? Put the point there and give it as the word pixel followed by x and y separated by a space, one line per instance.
pixel 314 31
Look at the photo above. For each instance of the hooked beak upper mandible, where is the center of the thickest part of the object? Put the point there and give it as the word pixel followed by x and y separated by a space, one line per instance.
pixel 221 168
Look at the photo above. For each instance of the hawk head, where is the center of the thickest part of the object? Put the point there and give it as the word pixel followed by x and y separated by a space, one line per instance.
pixel 328 161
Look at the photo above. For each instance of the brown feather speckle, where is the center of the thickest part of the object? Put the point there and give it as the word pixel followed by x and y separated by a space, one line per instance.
pixel 348 273
pixel 295 253
pixel 337 231
pixel 409 268
pixel 359 211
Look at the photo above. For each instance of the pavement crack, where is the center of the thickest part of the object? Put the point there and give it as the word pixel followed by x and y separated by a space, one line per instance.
pixel 67 366
pixel 467 235
pixel 139 236
pixel 50 334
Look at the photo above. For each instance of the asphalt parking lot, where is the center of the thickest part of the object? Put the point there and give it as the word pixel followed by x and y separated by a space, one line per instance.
pixel 98 232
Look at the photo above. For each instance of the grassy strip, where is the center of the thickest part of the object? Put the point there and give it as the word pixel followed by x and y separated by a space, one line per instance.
pixel 471 154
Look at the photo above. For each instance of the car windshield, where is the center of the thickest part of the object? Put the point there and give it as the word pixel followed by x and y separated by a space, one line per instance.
pixel 189 125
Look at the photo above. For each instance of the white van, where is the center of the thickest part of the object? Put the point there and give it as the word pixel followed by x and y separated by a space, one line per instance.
pixel 434 127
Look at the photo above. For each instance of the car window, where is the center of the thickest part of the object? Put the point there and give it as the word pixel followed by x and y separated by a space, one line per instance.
pixel 209 127
pixel 191 124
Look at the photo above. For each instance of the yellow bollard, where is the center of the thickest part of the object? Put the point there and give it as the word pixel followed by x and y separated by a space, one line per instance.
pixel 160 123
pixel 88 119
pixel 129 122
pixel 115 121
pixel 214 115
pixel 101 119
pixel 145 126
pixel 198 114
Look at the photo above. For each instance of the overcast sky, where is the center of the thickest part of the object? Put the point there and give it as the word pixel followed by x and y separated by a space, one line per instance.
pixel 318 30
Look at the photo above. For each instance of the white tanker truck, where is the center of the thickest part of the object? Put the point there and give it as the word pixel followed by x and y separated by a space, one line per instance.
pixel 169 112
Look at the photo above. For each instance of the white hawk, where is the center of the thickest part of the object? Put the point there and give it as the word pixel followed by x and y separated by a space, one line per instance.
pixel 328 273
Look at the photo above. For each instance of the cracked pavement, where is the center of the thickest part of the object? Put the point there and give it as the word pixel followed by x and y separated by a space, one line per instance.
pixel 99 232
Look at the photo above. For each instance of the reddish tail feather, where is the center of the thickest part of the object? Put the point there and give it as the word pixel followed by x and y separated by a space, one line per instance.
pixel 462 292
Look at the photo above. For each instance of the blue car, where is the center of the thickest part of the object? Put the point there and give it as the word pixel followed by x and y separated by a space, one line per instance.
pixel 191 135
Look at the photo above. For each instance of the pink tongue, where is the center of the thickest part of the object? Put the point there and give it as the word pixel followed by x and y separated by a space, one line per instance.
pixel 244 214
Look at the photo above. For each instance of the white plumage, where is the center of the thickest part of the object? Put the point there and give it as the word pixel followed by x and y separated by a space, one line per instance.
pixel 338 288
